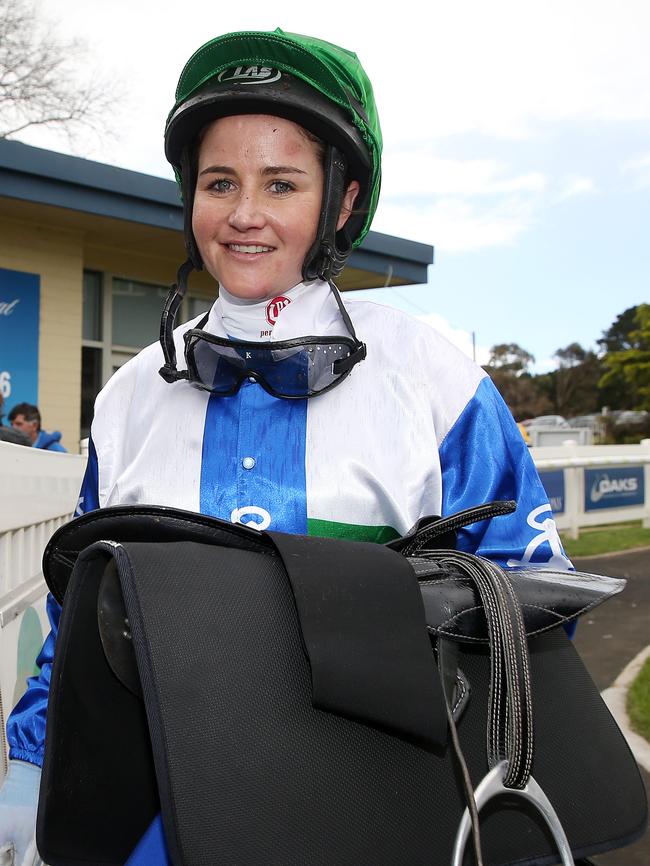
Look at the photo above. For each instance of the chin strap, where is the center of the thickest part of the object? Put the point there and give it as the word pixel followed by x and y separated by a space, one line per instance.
pixel 168 371
pixel 189 162
pixel 329 252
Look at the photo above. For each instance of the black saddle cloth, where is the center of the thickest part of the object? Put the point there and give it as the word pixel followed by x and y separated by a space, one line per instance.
pixel 228 744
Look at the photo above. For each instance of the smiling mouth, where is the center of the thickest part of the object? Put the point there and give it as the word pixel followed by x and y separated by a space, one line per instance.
pixel 249 248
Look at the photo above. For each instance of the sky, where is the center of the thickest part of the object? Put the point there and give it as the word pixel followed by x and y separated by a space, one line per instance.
pixel 516 142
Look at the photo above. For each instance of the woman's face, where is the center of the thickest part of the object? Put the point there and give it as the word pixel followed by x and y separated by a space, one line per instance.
pixel 257 203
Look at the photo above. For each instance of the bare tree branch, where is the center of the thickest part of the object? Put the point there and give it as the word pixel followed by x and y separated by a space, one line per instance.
pixel 46 80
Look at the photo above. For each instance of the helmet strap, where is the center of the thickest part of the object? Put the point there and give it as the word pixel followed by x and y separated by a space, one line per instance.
pixel 169 371
pixel 188 185
pixel 329 252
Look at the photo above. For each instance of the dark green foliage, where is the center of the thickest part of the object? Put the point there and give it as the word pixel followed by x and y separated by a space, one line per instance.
pixel 584 381
pixel 628 368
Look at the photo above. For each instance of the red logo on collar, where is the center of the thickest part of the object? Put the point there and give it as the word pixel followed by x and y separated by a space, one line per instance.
pixel 275 307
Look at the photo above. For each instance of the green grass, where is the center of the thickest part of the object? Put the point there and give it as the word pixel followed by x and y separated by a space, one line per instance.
pixel 607 539
pixel 638 702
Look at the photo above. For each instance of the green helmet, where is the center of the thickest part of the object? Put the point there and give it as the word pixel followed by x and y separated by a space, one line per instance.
pixel 314 83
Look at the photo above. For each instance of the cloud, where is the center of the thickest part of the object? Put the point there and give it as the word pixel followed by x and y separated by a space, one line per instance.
pixel 505 68
pixel 462 205
pixel 577 185
pixel 457 225
pixel 428 174
pixel 458 204
pixel 639 170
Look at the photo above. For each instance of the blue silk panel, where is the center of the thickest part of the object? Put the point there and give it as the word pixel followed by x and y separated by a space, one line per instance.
pixel 484 458
pixel 269 431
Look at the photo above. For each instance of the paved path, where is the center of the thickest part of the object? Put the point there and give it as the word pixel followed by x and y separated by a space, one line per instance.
pixel 607 640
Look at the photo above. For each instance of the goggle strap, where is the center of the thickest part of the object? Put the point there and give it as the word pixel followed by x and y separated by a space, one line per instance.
pixel 344 313
pixel 344 365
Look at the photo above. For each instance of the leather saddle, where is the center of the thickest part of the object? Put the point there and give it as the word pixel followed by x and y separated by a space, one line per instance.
pixel 290 700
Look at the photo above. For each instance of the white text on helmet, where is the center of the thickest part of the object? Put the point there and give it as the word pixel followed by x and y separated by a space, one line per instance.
pixel 250 74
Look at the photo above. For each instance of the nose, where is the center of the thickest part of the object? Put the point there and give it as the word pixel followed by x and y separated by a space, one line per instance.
pixel 247 212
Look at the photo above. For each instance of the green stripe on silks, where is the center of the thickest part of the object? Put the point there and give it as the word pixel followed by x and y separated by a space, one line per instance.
pixel 355 532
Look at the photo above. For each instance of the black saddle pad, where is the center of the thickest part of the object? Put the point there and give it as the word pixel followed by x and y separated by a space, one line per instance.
pixel 248 773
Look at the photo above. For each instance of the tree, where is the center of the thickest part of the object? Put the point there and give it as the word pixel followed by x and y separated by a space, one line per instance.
pixel 508 369
pixel 575 381
pixel 510 357
pixel 38 82
pixel 615 391
pixel 631 365
pixel 617 337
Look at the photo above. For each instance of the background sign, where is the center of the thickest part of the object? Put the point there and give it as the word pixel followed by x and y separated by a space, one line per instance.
pixel 614 488
pixel 554 486
pixel 19 308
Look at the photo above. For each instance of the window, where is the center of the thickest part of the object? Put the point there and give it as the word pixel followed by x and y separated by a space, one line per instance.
pixel 120 317
pixel 92 346
pixel 136 309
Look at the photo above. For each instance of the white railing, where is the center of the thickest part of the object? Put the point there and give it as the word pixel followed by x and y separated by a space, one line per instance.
pixel 575 461
pixel 38 493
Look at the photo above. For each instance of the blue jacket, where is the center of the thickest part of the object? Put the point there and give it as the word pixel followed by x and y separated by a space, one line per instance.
pixel 49 441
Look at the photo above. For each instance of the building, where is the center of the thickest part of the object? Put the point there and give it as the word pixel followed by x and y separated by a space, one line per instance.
pixel 87 253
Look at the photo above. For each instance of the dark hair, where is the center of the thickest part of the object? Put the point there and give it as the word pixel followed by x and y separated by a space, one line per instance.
pixel 28 411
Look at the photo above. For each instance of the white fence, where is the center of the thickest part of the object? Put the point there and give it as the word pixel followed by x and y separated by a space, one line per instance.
pixel 590 485
pixel 38 493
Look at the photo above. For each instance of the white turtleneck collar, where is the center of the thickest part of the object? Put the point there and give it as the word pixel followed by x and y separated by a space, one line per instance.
pixel 245 319
pixel 304 310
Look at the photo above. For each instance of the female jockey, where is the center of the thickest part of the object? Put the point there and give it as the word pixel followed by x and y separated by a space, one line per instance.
pixel 282 406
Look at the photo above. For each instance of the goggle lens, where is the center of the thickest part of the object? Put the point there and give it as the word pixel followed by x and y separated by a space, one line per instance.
pixel 292 370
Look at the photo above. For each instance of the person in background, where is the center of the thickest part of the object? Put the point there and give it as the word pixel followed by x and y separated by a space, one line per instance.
pixel 27 419
pixel 9 434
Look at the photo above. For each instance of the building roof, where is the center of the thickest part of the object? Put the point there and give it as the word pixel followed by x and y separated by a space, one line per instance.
pixel 69 183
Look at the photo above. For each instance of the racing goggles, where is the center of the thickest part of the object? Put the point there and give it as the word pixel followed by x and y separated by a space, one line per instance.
pixel 291 369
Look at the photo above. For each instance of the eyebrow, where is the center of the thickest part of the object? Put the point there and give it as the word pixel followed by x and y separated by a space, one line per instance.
pixel 282 169
pixel 269 170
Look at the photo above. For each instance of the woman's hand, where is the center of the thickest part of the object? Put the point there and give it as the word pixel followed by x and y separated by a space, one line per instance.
pixel 18 805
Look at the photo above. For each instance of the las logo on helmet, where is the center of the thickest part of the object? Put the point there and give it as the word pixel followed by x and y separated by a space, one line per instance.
pixel 252 74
